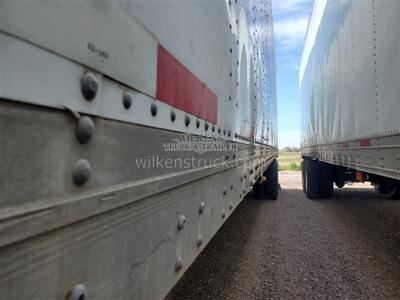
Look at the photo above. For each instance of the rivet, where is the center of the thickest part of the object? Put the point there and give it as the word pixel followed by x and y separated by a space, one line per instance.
pixel 241 178
pixel 224 132
pixel 213 128
pixel 197 123
pixel 81 172
pixel 223 214
pixel 199 240
pixel 84 129
pixel 225 191
pixel 187 120
pixel 89 86
pixel 153 109
pixel 230 205
pixel 173 116
pixel 219 130
pixel 78 292
pixel 127 100
pixel 181 222
pixel 202 207
pixel 178 263
pixel 232 185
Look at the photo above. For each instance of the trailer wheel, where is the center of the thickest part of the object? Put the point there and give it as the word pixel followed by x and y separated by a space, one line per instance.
pixel 339 177
pixel 326 177
pixel 272 183
pixel 303 176
pixel 258 190
pixel 381 188
pixel 311 178
pixel 395 195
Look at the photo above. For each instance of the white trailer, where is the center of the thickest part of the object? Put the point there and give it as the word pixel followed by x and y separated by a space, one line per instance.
pixel 129 132
pixel 350 96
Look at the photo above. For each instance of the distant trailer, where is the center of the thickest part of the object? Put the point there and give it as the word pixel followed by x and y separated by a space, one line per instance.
pixel 129 132
pixel 350 92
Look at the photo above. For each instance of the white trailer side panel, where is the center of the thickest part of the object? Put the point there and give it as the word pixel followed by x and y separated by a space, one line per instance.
pixel 93 192
pixel 388 64
pixel 349 92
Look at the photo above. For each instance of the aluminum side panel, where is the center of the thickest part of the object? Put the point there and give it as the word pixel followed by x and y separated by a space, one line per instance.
pixel 362 132
pixel 388 64
pixel 97 33
pixel 349 123
pixel 364 70
pixel 227 45
pixel 118 233
pixel 348 73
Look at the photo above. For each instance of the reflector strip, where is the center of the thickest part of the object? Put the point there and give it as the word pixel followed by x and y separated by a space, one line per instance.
pixel 365 143
pixel 179 87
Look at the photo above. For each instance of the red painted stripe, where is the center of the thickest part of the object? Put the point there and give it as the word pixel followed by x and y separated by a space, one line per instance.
pixel 179 87
pixel 365 143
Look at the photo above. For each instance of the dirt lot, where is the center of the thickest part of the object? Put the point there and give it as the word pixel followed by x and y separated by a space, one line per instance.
pixel 344 248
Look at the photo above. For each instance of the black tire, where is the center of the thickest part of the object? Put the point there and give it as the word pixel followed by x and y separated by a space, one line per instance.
pixel 339 177
pixel 381 188
pixel 311 176
pixel 395 194
pixel 326 177
pixel 258 190
pixel 271 186
pixel 302 176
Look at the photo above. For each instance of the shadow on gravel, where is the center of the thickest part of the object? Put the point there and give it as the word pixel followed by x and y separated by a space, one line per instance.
pixel 212 273
pixel 346 247
pixel 372 221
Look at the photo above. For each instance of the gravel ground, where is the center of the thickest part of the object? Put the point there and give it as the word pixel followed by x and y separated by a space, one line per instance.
pixel 344 248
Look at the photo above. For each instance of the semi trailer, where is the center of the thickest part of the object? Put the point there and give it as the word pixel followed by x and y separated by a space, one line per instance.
pixel 130 130
pixel 350 96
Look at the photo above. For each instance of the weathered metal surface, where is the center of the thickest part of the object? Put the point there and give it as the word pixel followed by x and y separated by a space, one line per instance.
pixel 350 101
pixel 117 231
pixel 226 45
pixel 78 109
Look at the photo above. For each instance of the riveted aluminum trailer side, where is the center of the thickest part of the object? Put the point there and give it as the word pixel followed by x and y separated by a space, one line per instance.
pixel 350 108
pixel 130 130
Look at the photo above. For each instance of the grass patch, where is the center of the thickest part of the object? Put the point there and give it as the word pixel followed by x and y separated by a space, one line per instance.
pixel 289 161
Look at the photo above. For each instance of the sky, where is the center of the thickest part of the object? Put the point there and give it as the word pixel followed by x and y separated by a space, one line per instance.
pixel 290 25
